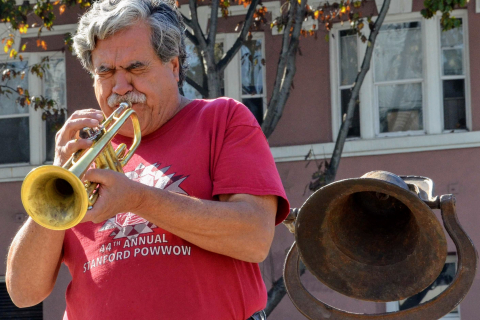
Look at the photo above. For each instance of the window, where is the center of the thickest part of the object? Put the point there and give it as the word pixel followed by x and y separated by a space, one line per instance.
pixel 398 77
pixel 348 72
pixel 453 79
pixel 9 311
pixel 14 119
pixel 195 69
pixel 54 88
pixel 252 77
pixel 26 138
pixel 244 77
pixel 417 84
pixel 438 286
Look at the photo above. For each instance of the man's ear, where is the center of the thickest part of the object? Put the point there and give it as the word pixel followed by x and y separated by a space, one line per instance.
pixel 176 68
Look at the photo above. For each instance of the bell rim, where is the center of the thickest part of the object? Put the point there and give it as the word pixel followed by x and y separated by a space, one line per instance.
pixel 65 174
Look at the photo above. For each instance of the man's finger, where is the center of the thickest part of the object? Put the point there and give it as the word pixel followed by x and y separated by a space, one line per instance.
pixel 87 113
pixel 73 146
pixel 101 176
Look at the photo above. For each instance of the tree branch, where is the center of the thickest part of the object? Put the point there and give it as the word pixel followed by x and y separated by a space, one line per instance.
pixel 212 32
pixel 195 26
pixel 222 64
pixel 197 87
pixel 339 144
pixel 286 68
pixel 188 22
pixel 192 38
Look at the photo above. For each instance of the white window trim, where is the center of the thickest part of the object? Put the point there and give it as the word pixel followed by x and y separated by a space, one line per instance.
pixel 370 143
pixel 392 145
pixel 393 306
pixel 477 10
pixel 37 127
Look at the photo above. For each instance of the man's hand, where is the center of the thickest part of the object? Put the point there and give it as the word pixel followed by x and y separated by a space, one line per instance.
pixel 66 143
pixel 117 194
pixel 239 225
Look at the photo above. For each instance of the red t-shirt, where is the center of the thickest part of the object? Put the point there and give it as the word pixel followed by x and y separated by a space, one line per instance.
pixel 128 268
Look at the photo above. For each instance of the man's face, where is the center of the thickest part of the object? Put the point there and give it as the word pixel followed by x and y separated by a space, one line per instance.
pixel 126 63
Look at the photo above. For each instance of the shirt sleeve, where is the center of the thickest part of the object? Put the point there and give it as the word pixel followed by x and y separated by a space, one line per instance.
pixel 245 163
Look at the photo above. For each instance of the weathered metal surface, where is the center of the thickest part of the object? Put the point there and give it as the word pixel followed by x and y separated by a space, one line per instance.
pixel 370 239
pixel 361 270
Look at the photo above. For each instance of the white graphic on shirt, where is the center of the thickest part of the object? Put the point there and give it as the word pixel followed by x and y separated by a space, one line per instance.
pixel 129 225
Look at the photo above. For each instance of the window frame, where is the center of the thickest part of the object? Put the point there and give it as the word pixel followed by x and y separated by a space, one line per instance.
pixel 38 152
pixel 465 76
pixel 232 76
pixel 369 144
pixel 239 95
pixel 432 80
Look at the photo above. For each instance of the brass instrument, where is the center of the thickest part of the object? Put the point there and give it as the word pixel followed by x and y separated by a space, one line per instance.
pixel 55 197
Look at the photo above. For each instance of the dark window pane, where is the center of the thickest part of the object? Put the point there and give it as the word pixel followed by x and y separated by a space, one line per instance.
pixel 15 143
pixel 256 106
pixel 53 124
pixel 454 114
pixel 354 129
pixel 9 311
pixel 348 57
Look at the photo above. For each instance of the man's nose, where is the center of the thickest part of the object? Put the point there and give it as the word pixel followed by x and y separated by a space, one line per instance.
pixel 123 83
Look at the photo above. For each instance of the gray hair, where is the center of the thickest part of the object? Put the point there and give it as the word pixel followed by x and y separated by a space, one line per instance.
pixel 109 16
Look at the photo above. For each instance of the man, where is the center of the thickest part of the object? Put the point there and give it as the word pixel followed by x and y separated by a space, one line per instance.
pixel 180 235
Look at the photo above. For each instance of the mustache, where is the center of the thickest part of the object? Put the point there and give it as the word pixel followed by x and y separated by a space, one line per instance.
pixel 132 97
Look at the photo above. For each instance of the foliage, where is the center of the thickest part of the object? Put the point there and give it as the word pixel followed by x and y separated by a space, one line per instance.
pixel 17 18
pixel 327 14
pixel 445 7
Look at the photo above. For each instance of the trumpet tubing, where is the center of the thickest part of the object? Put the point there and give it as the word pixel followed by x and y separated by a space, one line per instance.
pixel 55 197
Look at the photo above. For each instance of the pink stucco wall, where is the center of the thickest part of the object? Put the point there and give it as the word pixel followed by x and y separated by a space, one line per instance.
pixel 306 119
pixel 448 169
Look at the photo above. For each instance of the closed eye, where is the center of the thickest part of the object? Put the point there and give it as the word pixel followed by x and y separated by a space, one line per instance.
pixel 102 70
pixel 137 65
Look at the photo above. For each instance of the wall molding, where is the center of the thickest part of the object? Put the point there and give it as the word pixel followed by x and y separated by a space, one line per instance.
pixel 381 146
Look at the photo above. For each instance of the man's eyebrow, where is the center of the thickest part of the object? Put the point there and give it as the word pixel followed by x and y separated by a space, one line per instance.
pixel 103 68
pixel 136 65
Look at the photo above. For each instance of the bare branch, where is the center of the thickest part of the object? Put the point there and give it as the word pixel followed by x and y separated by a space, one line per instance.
pixel 286 68
pixel 222 64
pixel 188 22
pixel 212 32
pixel 195 26
pixel 339 144
pixel 197 87
pixel 192 38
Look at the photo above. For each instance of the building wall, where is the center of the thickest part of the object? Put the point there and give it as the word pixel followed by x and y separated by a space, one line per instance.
pixel 306 120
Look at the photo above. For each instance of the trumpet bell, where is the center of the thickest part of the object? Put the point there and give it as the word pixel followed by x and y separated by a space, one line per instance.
pixel 54 197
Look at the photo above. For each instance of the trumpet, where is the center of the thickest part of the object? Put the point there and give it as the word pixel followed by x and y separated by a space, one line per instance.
pixel 55 197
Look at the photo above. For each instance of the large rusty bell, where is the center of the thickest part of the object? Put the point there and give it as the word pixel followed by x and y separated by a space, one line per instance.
pixel 374 238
